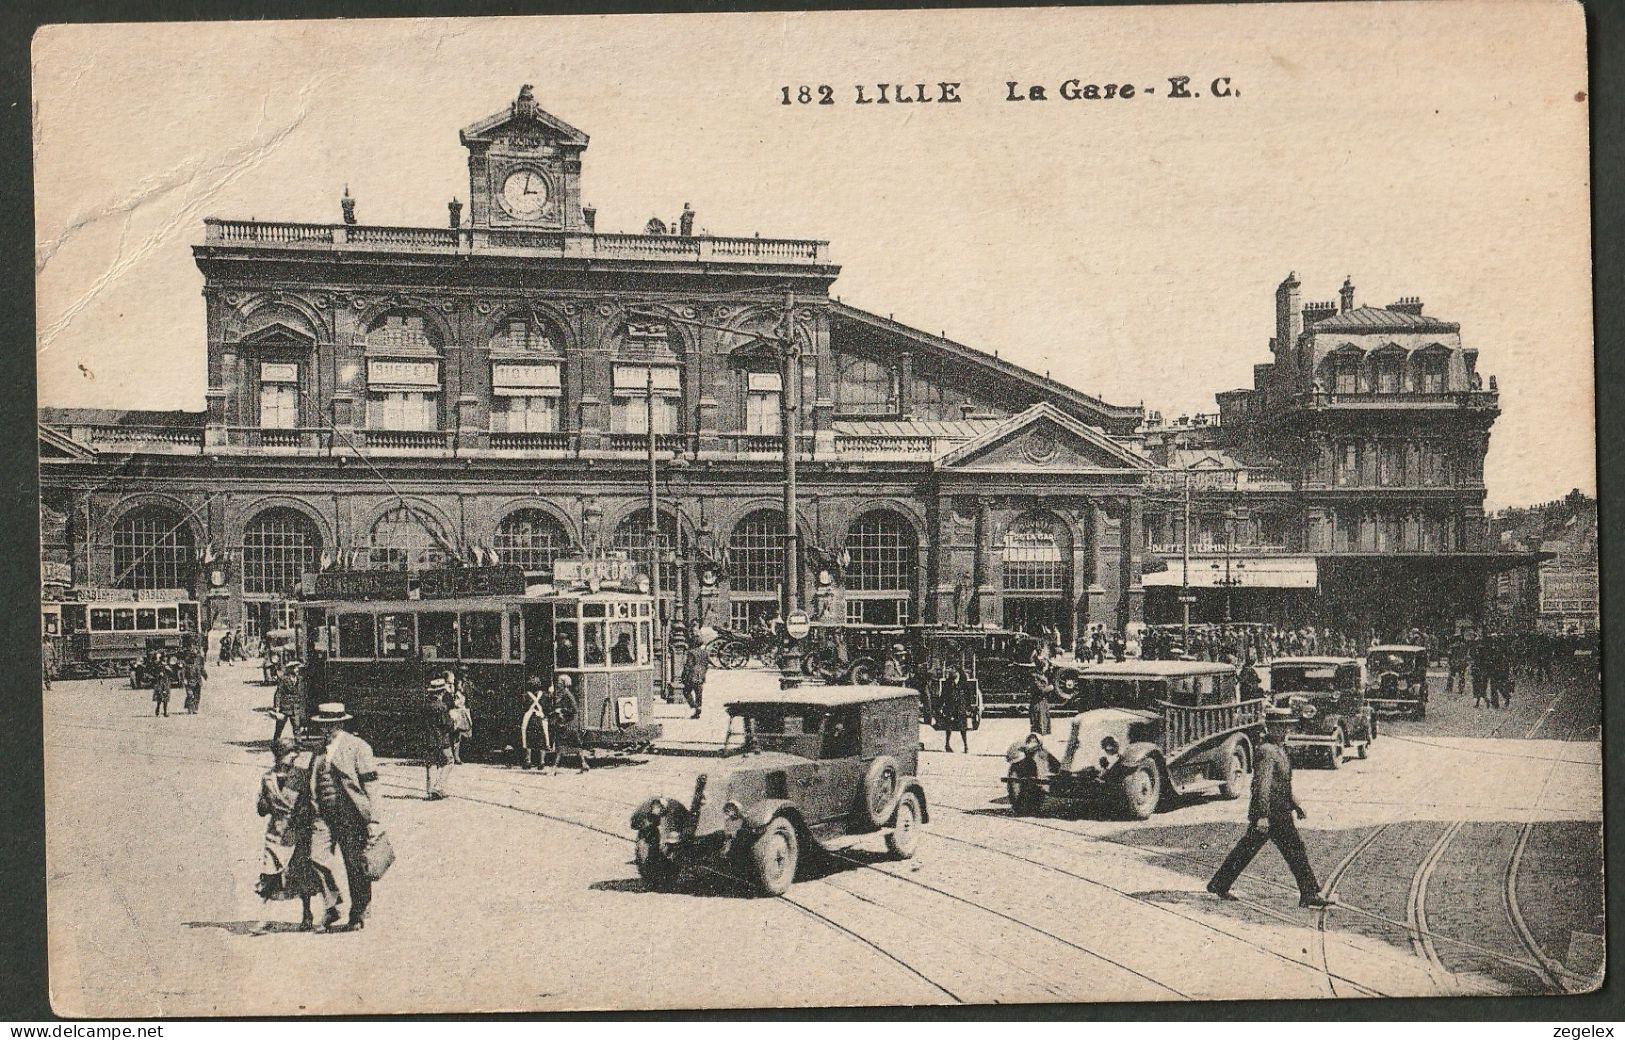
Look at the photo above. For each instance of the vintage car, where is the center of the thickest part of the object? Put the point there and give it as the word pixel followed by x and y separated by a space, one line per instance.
pixel 807 768
pixel 1145 730
pixel 1326 696
pixel 1397 678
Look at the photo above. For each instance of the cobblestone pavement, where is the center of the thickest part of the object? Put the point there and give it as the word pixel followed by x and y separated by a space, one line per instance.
pixel 1467 849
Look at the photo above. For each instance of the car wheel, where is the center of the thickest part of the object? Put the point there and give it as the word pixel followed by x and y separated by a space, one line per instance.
pixel 1421 711
pixel 905 830
pixel 1026 798
pixel 773 857
pixel 1237 776
pixel 1068 683
pixel 655 867
pixel 975 720
pixel 1140 789
pixel 880 786
pixel 864 672
pixel 1373 729
pixel 1334 757
pixel 1361 752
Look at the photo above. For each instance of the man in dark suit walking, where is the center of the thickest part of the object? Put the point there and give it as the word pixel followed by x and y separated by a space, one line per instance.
pixel 1270 818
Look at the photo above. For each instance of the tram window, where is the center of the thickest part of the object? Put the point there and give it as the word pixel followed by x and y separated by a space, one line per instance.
pixel 482 636
pixel 592 642
pixel 437 635
pixel 643 642
pixel 516 637
pixel 73 617
pixel 101 619
pixel 124 619
pixel 146 619
pixel 564 646
pixel 564 610
pixel 356 636
pixel 622 648
pixel 189 616
pixel 167 619
pixel 592 610
pixel 397 635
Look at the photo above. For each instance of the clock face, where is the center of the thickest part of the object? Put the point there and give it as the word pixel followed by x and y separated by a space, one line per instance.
pixel 524 194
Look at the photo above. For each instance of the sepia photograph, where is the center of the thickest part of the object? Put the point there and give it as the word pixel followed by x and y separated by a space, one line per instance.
pixel 793 510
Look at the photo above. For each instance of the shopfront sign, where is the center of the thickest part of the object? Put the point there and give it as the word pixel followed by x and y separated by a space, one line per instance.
pixel 403 373
pixel 455 582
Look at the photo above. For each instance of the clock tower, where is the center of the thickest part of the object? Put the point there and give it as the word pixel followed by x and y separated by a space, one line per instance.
pixel 524 169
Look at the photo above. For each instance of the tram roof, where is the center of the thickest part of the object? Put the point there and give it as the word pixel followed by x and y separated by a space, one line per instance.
pixel 1315 660
pixel 500 602
pixel 823 696
pixel 1406 647
pixel 1153 669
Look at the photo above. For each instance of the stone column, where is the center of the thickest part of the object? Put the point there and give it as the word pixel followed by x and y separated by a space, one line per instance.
pixel 987 590
pixel 1097 612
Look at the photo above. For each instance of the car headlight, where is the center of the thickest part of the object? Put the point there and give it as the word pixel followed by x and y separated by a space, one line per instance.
pixel 1307 710
pixel 1109 745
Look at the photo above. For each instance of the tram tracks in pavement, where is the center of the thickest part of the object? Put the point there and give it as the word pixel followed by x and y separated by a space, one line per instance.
pixel 1323 914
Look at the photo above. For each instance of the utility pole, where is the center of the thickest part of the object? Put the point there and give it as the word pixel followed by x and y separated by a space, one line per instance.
pixel 654 527
pixel 790 396
pixel 1185 575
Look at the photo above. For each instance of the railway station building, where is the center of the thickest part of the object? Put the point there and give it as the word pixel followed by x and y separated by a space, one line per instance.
pixel 484 390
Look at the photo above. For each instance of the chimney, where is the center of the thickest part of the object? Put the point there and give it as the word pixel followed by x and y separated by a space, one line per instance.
pixel 1318 312
pixel 1345 295
pixel 1407 305
pixel 1288 326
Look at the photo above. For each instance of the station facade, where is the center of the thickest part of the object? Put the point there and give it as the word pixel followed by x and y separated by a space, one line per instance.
pixel 482 391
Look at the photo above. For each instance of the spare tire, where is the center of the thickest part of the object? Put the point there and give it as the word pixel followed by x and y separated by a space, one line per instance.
pixel 881 786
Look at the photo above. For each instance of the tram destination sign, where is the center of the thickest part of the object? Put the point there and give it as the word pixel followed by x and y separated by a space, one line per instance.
pixel 454 582
pixel 607 570
pixel 361 585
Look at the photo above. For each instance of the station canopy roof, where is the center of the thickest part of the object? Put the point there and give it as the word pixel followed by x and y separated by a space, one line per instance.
pixel 1245 572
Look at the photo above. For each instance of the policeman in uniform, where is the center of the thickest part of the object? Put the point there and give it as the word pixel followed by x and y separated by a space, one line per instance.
pixel 1270 817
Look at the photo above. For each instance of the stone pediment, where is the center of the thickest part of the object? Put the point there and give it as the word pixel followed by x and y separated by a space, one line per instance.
pixel 56 446
pixel 278 334
pixel 523 127
pixel 1042 439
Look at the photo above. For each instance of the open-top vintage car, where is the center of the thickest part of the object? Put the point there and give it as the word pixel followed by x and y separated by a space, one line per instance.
pixel 1326 696
pixel 1145 729
pixel 1397 678
pixel 805 768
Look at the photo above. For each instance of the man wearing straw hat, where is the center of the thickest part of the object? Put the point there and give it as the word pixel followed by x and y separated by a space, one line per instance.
pixel 341 779
pixel 1270 818
pixel 437 738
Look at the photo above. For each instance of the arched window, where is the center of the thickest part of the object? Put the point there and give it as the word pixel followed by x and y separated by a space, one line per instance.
pixel 526 385
pixel 865 387
pixel 632 535
pixel 532 539
pixel 153 548
pixel 403 374
pixel 756 552
pixel 279 547
pixel 882 553
pixel 406 539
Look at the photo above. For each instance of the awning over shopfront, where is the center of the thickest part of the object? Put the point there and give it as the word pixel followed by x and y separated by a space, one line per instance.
pixel 1245 572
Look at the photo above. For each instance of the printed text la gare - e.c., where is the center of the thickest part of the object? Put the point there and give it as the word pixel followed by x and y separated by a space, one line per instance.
pixel 952 92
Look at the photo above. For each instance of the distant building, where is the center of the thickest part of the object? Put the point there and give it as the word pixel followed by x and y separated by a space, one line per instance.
pixel 1345 486
pixel 1561 594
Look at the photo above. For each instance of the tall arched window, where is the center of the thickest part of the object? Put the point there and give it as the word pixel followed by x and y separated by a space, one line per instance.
pixel 865 387
pixel 882 553
pixel 532 539
pixel 632 534
pixel 403 374
pixel 407 539
pixel 755 567
pixel 153 548
pixel 527 359
pixel 1037 573
pixel 279 547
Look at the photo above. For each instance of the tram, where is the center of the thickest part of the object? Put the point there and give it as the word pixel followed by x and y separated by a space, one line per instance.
pixel 106 636
pixel 377 652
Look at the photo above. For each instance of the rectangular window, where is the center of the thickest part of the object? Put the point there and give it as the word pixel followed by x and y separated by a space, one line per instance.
pixel 101 619
pixel 566 645
pixel 279 406
pixel 357 637
pixel 630 408
pixel 1388 376
pixel 877 611
pixel 437 635
pixel 403 410
pixel 747 614
pixel 1390 463
pixel 482 636
pixel 123 619
pixel 168 620
pixel 146 619
pixel 764 404
pixel 525 415
pixel 1432 376
pixel 1348 465
pixel 397 635
pixel 1347 376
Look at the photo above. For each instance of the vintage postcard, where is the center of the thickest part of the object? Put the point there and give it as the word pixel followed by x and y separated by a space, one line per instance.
pixel 818 509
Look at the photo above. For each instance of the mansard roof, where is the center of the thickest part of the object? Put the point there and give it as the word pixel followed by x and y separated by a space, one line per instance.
pixel 1015 380
pixel 1381 319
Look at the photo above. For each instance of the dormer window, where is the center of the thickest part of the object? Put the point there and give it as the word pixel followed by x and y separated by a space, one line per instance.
pixel 1346 373
pixel 1431 373
pixel 1388 374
